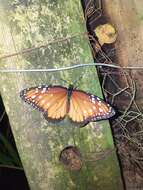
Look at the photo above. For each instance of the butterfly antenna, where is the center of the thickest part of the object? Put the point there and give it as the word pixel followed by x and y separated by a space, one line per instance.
pixel 65 81
pixel 77 81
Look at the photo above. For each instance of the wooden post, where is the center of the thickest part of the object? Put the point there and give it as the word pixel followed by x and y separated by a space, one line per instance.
pixel 58 29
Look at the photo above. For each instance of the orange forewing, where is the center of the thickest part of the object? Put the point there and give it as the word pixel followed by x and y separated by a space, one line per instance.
pixel 85 107
pixel 51 100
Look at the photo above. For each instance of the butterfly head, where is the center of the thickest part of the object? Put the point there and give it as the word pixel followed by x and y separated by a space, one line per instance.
pixel 70 89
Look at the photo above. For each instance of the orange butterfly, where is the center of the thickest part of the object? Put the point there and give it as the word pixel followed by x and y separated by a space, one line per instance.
pixel 57 102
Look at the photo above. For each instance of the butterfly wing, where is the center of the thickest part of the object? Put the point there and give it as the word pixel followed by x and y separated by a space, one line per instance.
pixel 85 107
pixel 52 100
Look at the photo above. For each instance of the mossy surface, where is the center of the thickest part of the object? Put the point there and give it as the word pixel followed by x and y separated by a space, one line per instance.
pixel 39 144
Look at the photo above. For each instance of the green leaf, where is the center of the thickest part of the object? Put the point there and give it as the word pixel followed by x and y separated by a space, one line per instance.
pixel 13 154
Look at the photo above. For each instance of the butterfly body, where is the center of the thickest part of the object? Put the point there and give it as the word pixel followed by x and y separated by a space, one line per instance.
pixel 69 94
pixel 58 103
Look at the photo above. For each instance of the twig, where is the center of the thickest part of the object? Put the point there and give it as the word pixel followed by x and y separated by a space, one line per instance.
pixel 28 50
pixel 11 167
pixel 1 117
pixel 100 155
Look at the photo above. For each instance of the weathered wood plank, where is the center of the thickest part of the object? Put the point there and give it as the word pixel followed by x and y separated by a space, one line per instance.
pixel 127 17
pixel 40 144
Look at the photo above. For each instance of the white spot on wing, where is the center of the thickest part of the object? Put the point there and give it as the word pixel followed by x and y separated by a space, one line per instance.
pixel 48 104
pixel 40 97
pixel 33 96
pixel 94 107
pixel 36 91
pixel 43 91
pixel 110 110
pixel 43 101
pixel 93 100
pixel 99 103
pixel 100 109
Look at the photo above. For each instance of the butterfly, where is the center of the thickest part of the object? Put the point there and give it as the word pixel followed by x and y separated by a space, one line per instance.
pixel 58 103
